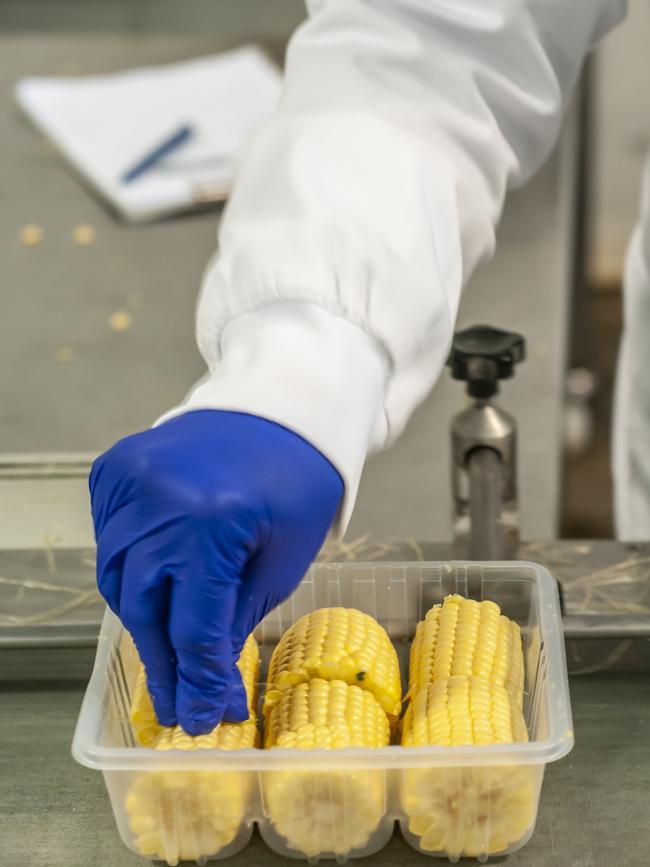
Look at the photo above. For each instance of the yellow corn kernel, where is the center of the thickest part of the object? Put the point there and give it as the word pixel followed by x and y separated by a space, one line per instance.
pixel 325 811
pixel 465 637
pixel 508 661
pixel 148 730
pixel 462 711
pixel 467 811
pixel 321 714
pixel 338 644
pixel 178 815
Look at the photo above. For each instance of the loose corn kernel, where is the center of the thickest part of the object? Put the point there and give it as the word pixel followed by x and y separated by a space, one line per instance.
pixel 338 644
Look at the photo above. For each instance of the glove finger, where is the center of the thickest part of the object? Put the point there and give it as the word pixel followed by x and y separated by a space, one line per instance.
pixel 98 502
pixel 122 532
pixel 237 707
pixel 238 704
pixel 144 610
pixel 111 553
pixel 201 614
pixel 108 484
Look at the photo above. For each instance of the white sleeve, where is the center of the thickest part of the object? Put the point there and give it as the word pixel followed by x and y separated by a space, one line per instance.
pixel 362 208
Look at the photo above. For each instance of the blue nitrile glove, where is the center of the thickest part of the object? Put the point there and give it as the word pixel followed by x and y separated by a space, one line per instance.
pixel 203 525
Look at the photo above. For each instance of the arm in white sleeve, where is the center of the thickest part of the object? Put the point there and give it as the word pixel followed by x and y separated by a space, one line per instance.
pixel 362 208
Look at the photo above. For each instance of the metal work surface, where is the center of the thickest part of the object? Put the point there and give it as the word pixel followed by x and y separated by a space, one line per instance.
pixel 595 806
pixel 70 382
pixel 48 599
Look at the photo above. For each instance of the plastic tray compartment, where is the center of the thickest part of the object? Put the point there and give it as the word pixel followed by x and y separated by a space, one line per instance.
pixel 450 802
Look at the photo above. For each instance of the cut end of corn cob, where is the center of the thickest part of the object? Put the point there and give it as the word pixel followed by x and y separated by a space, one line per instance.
pixel 185 815
pixel 470 812
pixel 317 811
pixel 178 815
pixel 468 638
pixel 342 644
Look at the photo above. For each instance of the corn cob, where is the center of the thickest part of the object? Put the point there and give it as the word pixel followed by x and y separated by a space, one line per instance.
pixel 343 644
pixel 177 815
pixel 470 812
pixel 329 811
pixel 466 811
pixel 147 729
pixel 325 714
pixel 465 637
pixel 466 678
pixel 462 711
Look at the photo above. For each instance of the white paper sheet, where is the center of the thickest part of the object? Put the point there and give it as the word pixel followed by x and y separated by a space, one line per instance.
pixel 105 124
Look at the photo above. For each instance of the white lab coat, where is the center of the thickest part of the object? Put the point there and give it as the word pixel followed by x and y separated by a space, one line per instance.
pixel 631 452
pixel 362 208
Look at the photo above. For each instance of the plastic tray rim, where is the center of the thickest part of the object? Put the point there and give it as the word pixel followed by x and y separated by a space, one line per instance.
pixel 557 745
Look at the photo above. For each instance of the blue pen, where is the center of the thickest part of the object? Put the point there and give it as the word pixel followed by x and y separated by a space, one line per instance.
pixel 178 138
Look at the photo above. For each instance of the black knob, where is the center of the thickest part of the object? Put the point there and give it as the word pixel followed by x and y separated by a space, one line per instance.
pixel 483 355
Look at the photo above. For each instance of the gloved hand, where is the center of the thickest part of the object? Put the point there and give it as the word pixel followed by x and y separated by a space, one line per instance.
pixel 203 525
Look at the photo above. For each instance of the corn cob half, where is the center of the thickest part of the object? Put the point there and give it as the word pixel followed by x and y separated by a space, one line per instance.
pixel 148 731
pixel 462 711
pixel 178 815
pixel 466 679
pixel 325 811
pixel 466 811
pixel 465 637
pixel 342 644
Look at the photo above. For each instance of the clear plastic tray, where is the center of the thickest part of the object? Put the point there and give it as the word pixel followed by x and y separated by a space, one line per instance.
pixel 450 802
